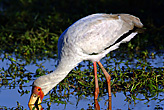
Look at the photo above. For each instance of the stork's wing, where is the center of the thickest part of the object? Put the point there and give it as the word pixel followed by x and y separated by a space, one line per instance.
pixel 95 33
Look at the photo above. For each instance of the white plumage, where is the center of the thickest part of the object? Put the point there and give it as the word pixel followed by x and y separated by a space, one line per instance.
pixel 90 38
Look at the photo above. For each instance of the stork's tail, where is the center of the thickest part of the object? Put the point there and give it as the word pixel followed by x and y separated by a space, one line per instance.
pixel 127 39
pixel 134 20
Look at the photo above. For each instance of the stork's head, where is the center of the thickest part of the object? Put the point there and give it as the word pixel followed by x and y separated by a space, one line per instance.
pixel 36 96
pixel 41 87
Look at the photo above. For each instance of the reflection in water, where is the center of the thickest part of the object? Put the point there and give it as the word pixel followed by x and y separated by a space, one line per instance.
pixel 110 103
pixel 97 106
pixel 146 81
pixel 35 107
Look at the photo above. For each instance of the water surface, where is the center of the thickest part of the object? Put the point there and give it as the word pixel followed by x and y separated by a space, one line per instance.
pixel 11 98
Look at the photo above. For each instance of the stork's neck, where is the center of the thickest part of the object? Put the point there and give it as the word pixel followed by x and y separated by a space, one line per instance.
pixel 64 66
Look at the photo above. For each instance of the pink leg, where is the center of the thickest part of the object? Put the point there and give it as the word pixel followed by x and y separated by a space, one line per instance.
pixel 96 80
pixel 108 78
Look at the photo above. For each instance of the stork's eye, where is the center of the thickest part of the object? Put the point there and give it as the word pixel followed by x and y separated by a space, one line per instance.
pixel 39 89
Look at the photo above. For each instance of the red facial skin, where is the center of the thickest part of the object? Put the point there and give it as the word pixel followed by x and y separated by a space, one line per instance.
pixel 38 91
